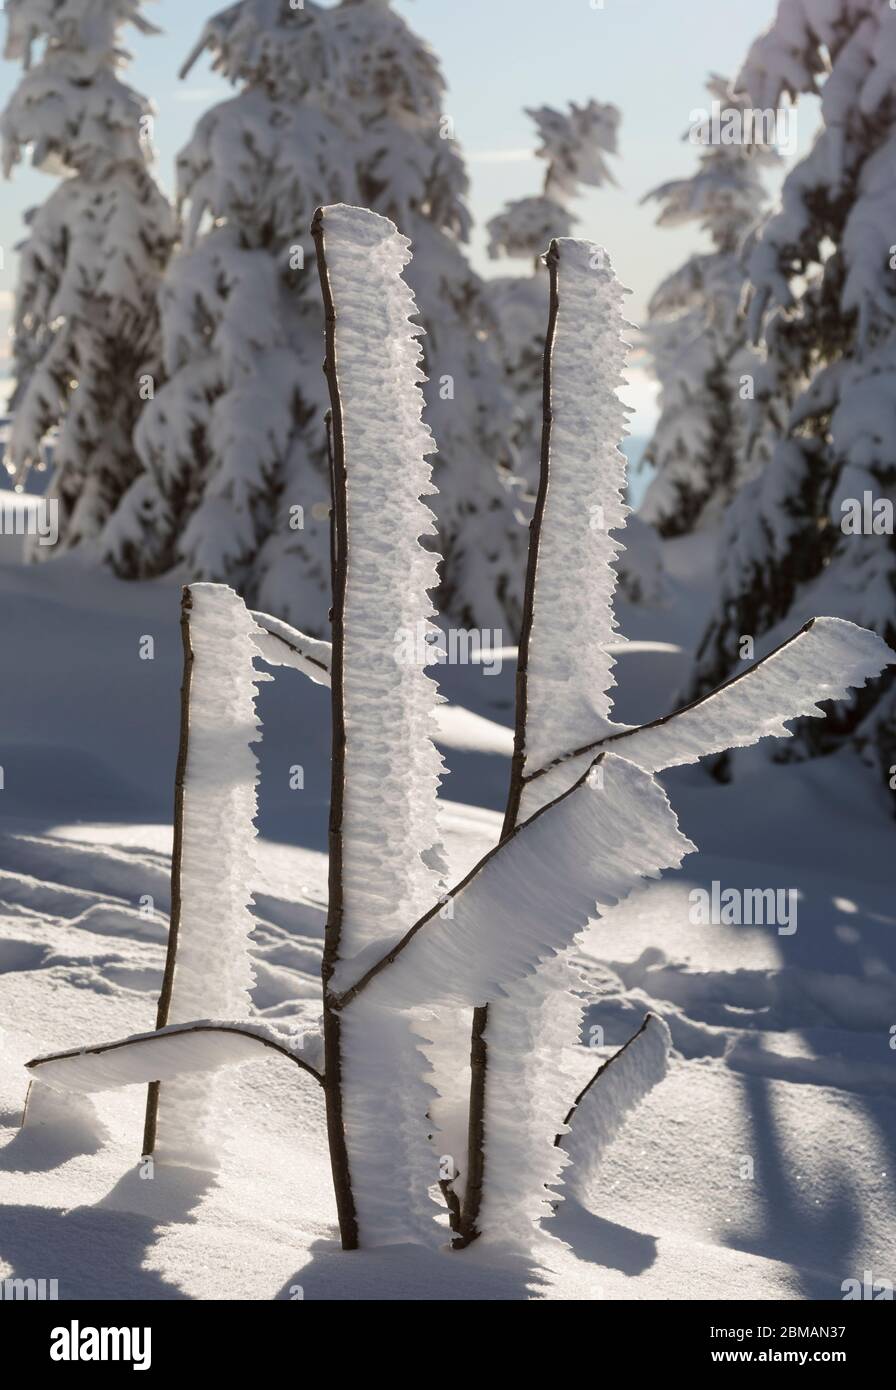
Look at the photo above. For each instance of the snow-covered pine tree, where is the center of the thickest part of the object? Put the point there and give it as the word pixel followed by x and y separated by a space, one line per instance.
pixel 824 306
pixel 335 103
pixel 584 825
pixel 233 444
pixel 85 322
pixel 575 145
pixel 697 338
pixel 411 171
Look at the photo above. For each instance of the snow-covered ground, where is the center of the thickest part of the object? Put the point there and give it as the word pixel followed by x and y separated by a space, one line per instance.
pixel 762 1167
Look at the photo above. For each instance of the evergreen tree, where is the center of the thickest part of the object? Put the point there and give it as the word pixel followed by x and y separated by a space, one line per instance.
pixel 574 145
pixel 85 322
pixel 824 304
pixel 334 104
pixel 697 339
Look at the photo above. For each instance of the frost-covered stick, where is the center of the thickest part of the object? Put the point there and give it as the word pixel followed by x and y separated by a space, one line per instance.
pixel 602 1108
pixel 341 1000
pixel 209 972
pixel 518 763
pixel 276 638
pixel 177 849
pixel 566 682
pixel 345 1202
pixel 822 662
pixel 648 1018
pixel 624 733
pixel 478 1048
pixel 149 1041
pixel 384 702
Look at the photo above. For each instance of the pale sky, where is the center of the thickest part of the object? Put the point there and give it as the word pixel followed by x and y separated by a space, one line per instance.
pixel 649 57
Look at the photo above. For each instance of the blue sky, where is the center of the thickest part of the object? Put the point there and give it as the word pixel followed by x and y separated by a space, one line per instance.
pixel 650 57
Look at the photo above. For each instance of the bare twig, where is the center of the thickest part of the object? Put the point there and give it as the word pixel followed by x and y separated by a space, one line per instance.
pixel 345 1202
pixel 340 1001
pixel 176 1030
pixel 257 618
pixel 648 1019
pixel 452 1202
pixel 164 1006
pixel 664 718
pixel 478 1046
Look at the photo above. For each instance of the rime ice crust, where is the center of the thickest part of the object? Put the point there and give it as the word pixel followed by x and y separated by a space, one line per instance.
pixel 526 1101
pixel 213 973
pixel 392 766
pixel 532 897
pixel 568 687
pixel 825 661
pixel 570 676
pixel 505 940
pixel 169 1054
pixel 386 1099
pixel 281 645
pixel 605 1106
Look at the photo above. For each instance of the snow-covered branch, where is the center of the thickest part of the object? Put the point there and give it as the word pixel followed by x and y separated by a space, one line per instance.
pixel 167 1054
pixel 383 873
pixel 85 324
pixel 281 645
pixel 208 969
pixel 822 662
pixel 530 896
pixel 601 1109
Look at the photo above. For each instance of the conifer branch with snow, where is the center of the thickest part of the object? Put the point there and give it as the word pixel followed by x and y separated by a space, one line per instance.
pixel 821 306
pixel 701 449
pixel 85 322
pixel 575 147
pixel 335 103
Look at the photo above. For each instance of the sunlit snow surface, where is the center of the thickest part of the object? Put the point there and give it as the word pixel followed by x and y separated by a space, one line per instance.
pixel 781 1044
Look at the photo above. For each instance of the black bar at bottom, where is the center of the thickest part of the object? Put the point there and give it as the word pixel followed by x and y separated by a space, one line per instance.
pixel 66 1338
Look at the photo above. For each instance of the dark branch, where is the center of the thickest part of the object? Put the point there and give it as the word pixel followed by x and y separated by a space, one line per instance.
pixel 478 1046
pixel 345 1202
pixel 177 852
pixel 648 1018
pixel 173 1031
pixel 603 743
pixel 293 647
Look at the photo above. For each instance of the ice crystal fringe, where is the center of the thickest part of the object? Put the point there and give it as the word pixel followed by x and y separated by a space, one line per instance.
pixel 208 972
pixel 570 672
pixel 389 700
pixel 824 661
